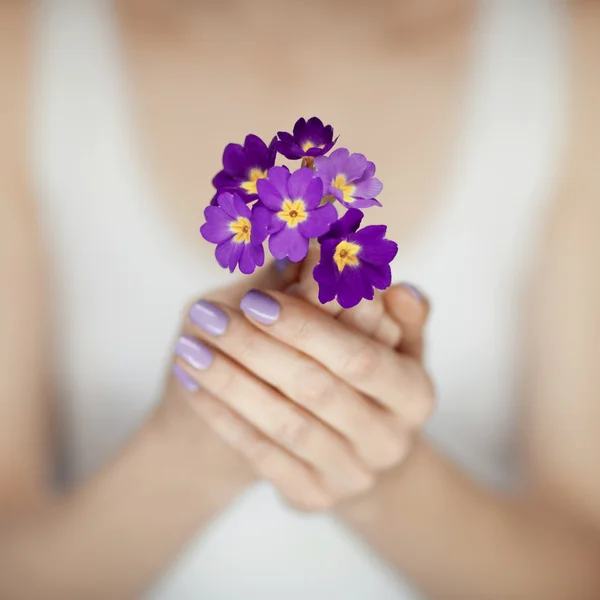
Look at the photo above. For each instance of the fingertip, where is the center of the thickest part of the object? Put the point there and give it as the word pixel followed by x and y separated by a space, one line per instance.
pixel 413 291
pixel 407 300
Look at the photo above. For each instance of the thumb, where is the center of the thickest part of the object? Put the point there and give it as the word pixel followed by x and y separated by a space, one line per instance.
pixel 304 285
pixel 409 308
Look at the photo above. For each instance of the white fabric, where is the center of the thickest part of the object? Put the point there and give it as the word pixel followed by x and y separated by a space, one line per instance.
pixel 122 276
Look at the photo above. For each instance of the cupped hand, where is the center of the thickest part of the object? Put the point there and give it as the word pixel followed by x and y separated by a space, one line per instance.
pixel 318 401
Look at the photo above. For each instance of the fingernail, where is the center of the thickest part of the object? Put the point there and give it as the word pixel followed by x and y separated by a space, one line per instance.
pixel 209 318
pixel 185 379
pixel 261 307
pixel 193 352
pixel 413 290
pixel 293 290
pixel 282 264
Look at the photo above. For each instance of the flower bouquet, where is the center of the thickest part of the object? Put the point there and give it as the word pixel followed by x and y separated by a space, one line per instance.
pixel 257 202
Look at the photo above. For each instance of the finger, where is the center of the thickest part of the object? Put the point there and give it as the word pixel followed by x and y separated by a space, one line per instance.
pixel 273 276
pixel 372 319
pixel 375 370
pixel 409 308
pixel 369 317
pixel 294 479
pixel 302 380
pixel 278 419
pixel 306 287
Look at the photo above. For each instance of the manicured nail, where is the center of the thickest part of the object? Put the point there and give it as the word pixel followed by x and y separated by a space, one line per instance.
pixel 185 379
pixel 193 352
pixel 209 318
pixel 261 307
pixel 293 290
pixel 282 265
pixel 413 290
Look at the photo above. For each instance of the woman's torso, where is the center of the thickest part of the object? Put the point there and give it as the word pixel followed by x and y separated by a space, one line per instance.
pixel 123 266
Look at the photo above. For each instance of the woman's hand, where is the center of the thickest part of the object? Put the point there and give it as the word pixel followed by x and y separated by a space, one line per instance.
pixel 316 407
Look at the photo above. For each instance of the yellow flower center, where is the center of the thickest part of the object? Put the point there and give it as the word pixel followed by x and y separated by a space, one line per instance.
pixel 293 212
pixel 242 229
pixel 347 189
pixel 253 177
pixel 346 255
pixel 308 145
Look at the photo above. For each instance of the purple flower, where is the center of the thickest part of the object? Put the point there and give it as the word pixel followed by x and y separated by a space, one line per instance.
pixel 293 203
pixel 243 166
pixel 310 138
pixel 353 262
pixel 238 232
pixel 350 178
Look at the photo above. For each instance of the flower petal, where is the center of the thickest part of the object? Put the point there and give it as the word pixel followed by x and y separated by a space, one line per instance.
pixel 338 160
pixel 279 176
pixel 353 287
pixel 349 223
pixel 228 254
pixel 216 229
pixel 257 153
pixel 261 219
pixel 276 224
pixel 272 155
pixel 320 151
pixel 269 195
pixel 325 170
pixel 247 265
pixel 234 161
pixel 299 181
pixel 299 127
pixel 354 167
pixel 374 249
pixel 222 180
pixel 380 276
pixel 360 202
pixel 290 243
pixel 368 235
pixel 258 254
pixel 368 188
pixel 314 193
pixel 291 151
pixel 319 221
pixel 241 207
pixel 227 203
pixel 314 127
pixel 326 273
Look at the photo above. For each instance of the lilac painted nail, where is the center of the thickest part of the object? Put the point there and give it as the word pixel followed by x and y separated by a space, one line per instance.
pixel 193 352
pixel 185 379
pixel 413 290
pixel 282 264
pixel 261 307
pixel 209 318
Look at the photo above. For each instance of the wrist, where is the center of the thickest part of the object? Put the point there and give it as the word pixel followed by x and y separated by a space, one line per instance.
pixel 209 470
pixel 390 493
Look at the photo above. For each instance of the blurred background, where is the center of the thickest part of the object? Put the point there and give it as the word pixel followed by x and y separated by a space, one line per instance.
pixel 466 107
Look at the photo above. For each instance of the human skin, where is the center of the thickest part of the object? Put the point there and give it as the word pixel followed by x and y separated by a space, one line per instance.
pixel 448 533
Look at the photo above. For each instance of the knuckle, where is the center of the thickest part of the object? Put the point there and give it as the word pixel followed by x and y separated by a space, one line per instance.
pixel 384 458
pixel 424 403
pixel 311 500
pixel 319 390
pixel 246 346
pixel 258 451
pixel 361 362
pixel 229 385
pixel 302 331
pixel 363 481
pixel 293 430
pixel 428 399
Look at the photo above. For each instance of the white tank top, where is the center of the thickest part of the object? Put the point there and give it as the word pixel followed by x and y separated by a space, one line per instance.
pixel 122 277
